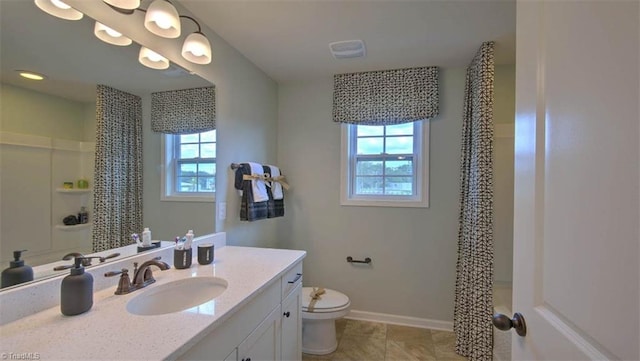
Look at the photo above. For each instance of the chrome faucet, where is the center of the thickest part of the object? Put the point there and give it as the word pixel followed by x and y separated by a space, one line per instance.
pixel 142 276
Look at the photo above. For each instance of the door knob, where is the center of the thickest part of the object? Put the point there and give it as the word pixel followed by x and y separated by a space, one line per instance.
pixel 504 323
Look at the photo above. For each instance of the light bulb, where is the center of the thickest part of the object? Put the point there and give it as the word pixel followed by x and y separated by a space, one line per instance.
pixel 112 32
pixel 153 56
pixel 151 59
pixel 58 9
pixel 110 36
pixel 163 22
pixel 60 5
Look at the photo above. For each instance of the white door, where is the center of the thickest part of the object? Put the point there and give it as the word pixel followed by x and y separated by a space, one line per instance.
pixel 577 199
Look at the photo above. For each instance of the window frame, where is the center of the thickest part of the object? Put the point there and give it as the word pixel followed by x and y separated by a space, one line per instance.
pixel 168 174
pixel 421 171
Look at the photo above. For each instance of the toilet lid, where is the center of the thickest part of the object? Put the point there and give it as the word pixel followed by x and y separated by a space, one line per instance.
pixel 328 300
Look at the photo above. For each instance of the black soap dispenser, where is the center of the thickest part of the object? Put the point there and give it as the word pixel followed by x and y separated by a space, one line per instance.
pixel 17 272
pixel 76 292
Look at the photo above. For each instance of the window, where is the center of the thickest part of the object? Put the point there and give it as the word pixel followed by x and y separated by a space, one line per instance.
pixel 190 167
pixel 385 165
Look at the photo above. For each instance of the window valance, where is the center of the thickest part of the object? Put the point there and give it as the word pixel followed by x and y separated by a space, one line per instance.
pixel 386 97
pixel 184 111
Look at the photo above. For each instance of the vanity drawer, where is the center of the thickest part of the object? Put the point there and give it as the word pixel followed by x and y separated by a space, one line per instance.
pixel 291 279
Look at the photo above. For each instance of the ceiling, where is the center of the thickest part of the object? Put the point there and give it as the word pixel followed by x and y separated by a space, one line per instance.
pixel 288 39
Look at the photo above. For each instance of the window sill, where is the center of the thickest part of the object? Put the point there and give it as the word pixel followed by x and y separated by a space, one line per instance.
pixel 195 198
pixel 384 203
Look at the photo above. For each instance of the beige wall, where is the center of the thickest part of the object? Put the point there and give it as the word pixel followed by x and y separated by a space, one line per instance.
pixel 413 250
pixel 26 111
pixel 246 103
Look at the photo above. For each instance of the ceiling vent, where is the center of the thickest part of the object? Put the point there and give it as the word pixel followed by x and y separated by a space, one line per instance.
pixel 347 49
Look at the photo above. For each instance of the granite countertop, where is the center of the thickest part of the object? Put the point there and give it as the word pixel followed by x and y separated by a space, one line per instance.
pixel 109 332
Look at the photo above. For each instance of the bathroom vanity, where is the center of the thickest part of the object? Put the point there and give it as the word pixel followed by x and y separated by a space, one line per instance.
pixel 257 316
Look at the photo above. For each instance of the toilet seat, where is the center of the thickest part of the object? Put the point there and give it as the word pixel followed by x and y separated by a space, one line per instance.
pixel 330 301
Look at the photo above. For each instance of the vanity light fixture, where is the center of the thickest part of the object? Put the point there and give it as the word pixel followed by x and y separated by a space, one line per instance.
pixel 110 36
pixel 31 75
pixel 196 47
pixel 151 59
pixel 162 19
pixel 59 9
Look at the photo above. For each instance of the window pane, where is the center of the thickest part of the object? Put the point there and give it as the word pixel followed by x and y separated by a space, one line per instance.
pixel 189 138
pixel 208 150
pixel 365 130
pixel 368 185
pixel 367 167
pixel 209 136
pixel 206 169
pixel 401 186
pixel 399 145
pixel 400 129
pixel 206 184
pixel 399 167
pixel 187 184
pixel 188 151
pixel 188 170
pixel 370 145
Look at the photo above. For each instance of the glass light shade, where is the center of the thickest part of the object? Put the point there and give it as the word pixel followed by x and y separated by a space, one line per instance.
pixel 110 36
pixel 162 19
pixel 196 49
pixel 124 4
pixel 151 59
pixel 58 9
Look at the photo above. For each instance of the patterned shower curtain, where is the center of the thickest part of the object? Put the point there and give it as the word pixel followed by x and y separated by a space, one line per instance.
pixel 117 195
pixel 474 279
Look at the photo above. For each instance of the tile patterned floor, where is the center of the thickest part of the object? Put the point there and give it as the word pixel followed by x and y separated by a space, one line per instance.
pixel 369 341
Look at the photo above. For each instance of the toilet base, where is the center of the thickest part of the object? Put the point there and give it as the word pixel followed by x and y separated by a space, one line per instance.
pixel 319 336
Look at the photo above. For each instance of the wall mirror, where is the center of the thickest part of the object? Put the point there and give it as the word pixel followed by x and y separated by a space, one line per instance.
pixel 47 128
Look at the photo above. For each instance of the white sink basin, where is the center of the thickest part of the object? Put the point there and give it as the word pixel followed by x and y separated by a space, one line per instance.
pixel 177 295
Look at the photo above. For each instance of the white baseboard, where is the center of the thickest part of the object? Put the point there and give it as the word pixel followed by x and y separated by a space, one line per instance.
pixel 400 320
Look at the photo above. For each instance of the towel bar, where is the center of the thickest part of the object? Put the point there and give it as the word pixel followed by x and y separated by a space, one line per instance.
pixel 351 260
pixel 235 165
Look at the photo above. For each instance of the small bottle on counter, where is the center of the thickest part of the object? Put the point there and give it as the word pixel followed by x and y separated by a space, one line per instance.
pixel 146 237
pixel 83 216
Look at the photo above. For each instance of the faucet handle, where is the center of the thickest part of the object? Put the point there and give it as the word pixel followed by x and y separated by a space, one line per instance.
pixel 124 284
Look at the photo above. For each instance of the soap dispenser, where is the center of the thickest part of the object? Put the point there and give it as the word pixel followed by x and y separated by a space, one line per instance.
pixel 17 272
pixel 76 292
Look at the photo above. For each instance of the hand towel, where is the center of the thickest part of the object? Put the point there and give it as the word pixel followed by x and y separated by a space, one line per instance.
pixel 275 207
pixel 250 210
pixel 276 187
pixel 258 185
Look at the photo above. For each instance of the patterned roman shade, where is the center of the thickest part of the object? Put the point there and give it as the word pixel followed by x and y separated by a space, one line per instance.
pixel 184 111
pixel 386 97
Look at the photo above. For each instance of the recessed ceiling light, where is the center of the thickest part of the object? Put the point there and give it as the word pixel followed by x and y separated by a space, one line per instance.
pixel 31 75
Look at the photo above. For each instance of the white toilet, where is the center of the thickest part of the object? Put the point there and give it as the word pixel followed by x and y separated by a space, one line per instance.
pixel 318 325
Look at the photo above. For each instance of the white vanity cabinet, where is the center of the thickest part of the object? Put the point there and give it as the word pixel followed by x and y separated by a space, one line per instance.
pixel 292 325
pixel 268 327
